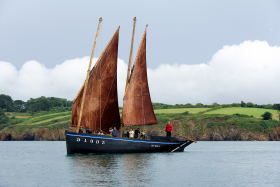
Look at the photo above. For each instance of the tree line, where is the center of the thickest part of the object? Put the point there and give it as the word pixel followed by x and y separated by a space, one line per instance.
pixel 7 104
pixel 216 105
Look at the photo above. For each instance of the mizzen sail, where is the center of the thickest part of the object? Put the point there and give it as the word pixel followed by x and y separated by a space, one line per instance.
pixel 101 109
pixel 137 105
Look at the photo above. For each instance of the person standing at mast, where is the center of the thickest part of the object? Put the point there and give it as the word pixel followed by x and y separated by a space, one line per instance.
pixel 168 129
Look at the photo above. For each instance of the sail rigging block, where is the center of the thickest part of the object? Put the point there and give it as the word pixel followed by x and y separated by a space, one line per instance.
pixel 137 105
pixel 102 106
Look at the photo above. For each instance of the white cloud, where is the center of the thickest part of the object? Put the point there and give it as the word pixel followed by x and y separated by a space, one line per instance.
pixel 248 71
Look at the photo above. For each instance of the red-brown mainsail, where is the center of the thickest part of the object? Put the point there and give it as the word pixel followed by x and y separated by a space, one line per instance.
pixel 101 100
pixel 137 105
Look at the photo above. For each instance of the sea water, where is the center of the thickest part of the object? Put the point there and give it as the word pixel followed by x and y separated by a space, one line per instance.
pixel 45 163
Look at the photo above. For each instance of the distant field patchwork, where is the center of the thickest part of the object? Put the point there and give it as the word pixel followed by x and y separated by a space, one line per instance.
pixel 180 110
pixel 256 112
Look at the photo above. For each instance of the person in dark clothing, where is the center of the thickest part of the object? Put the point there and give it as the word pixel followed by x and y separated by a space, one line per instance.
pixel 88 130
pixel 168 129
pixel 127 133
pixel 80 130
pixel 136 133
pixel 115 132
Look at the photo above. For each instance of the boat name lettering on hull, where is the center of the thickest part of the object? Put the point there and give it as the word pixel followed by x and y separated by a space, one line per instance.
pixel 91 141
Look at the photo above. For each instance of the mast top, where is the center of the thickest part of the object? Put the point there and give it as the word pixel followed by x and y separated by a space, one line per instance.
pixel 100 19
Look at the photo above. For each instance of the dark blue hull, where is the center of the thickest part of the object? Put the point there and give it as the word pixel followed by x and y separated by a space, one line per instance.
pixel 90 143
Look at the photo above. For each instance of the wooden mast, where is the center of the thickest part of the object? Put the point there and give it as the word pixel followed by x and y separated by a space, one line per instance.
pixel 129 63
pixel 130 55
pixel 86 83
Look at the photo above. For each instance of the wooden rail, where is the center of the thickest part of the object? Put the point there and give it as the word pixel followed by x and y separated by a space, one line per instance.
pixel 185 138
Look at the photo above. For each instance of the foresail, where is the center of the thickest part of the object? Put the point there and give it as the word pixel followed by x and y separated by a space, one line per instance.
pixel 137 105
pixel 101 100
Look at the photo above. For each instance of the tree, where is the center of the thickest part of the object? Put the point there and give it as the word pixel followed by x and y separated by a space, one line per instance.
pixel 199 105
pixel 3 118
pixel 7 102
pixel 250 104
pixel 243 104
pixel 234 104
pixel 267 116
pixel 268 106
pixel 215 105
pixel 19 104
pixel 277 107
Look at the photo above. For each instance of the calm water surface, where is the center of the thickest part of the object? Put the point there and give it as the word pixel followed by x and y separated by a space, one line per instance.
pixel 202 164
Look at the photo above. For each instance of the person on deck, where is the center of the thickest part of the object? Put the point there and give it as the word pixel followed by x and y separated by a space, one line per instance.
pixel 88 130
pixel 80 130
pixel 127 133
pixel 131 134
pixel 115 132
pixel 168 129
pixel 142 135
pixel 137 132
pixel 111 130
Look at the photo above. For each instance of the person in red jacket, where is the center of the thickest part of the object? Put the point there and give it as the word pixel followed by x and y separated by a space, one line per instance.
pixel 168 129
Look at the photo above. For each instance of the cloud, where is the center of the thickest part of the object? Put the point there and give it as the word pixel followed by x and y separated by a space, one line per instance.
pixel 248 71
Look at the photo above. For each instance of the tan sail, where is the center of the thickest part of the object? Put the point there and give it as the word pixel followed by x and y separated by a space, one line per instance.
pixel 101 100
pixel 137 105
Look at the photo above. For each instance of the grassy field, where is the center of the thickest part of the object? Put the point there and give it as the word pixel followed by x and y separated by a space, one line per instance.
pixel 26 121
pixel 275 117
pixel 256 112
pixel 179 110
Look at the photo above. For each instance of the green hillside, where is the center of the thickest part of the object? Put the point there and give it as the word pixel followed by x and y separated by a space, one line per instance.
pixel 22 122
pixel 202 120
pixel 256 112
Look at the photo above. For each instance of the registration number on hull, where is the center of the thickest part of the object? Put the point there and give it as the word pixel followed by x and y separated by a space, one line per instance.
pixel 91 141
pixel 155 145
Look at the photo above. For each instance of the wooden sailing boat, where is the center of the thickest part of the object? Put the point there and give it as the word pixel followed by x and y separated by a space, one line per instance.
pixel 101 107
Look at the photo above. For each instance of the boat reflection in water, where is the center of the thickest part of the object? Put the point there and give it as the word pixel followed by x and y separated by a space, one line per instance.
pixel 112 169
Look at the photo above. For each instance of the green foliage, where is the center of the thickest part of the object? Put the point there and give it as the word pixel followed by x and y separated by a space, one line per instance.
pixel 267 116
pixel 180 110
pixel 185 113
pixel 241 115
pixel 276 107
pixel 1 112
pixel 243 104
pixel 235 105
pixel 13 117
pixel 268 106
pixel 250 104
pixel 188 105
pixel 6 102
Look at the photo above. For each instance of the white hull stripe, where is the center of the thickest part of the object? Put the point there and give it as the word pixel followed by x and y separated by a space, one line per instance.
pixel 128 140
pixel 178 147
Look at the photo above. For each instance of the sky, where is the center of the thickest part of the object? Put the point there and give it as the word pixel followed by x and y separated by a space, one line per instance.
pixel 197 51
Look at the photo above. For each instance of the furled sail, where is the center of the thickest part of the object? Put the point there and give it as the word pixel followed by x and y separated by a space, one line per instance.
pixel 101 100
pixel 137 105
